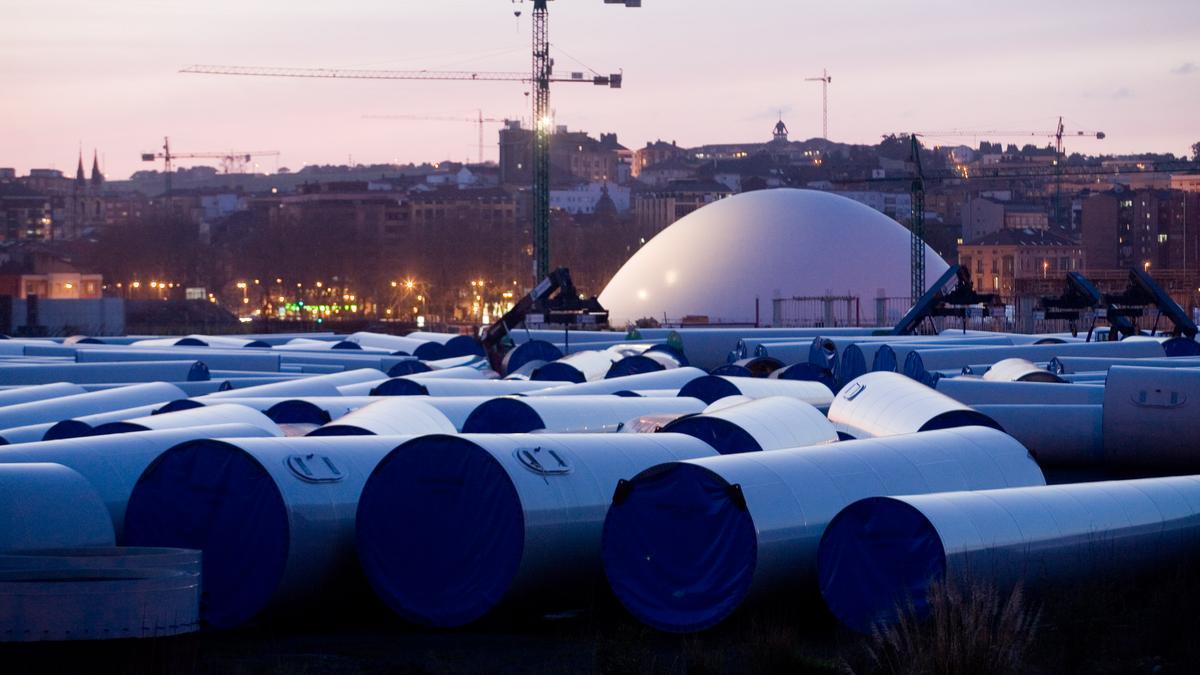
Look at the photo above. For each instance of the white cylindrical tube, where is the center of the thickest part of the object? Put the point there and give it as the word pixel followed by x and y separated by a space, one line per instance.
pixel 1082 364
pixel 46 506
pixel 1058 435
pixel 112 464
pixel 920 363
pixel 882 553
pixel 972 391
pixel 225 413
pixel 127 371
pixel 53 410
pixel 1152 417
pixel 687 543
pixel 274 517
pixel 408 386
pixel 570 414
pixel 584 366
pixel 505 519
pixel 317 385
pixel 663 379
pixel 712 388
pixel 426 350
pixel 1018 370
pixel 391 416
pixel 887 404
pixel 770 423
pixel 38 392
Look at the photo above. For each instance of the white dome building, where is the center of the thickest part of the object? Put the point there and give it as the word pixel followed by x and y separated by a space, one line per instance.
pixel 763 245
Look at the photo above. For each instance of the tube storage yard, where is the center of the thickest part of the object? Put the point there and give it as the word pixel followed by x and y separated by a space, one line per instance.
pixel 153 486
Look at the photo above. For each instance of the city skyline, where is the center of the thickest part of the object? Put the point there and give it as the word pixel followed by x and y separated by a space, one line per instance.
pixel 106 77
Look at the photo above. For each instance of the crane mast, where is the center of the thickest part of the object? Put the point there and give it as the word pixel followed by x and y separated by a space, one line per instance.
pixel 542 66
pixel 917 224
pixel 824 79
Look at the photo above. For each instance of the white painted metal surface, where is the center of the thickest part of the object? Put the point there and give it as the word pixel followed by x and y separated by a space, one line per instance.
pixel 391 416
pixel 1018 370
pixel 920 363
pixel 395 343
pixel 971 391
pixel 81 373
pixel 316 385
pixel 455 373
pixel 224 413
pixel 887 404
pixel 53 410
pixel 45 505
pixel 73 427
pixel 662 379
pixel 770 423
pixel 441 387
pixel 38 392
pixel 229 359
pixel 1081 364
pixel 712 388
pixel 1057 435
pixel 583 366
pixel 1152 417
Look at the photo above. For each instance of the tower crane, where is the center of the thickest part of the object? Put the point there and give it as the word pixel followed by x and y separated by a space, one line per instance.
pixel 228 159
pixel 1059 160
pixel 824 79
pixel 1058 134
pixel 541 76
pixel 479 120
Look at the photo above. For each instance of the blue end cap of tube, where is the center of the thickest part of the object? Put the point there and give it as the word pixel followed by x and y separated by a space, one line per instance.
pixel 440 531
pixel 679 548
pixel 878 557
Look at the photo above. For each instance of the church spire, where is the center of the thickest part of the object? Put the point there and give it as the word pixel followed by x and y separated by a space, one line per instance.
pixel 80 177
pixel 97 177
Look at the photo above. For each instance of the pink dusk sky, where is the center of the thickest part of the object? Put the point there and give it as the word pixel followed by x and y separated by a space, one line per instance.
pixel 104 74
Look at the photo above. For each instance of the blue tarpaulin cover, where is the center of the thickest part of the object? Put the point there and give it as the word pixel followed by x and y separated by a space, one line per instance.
pixel 503 416
pixel 877 557
pixel 683 524
pixel 724 436
pixel 212 496
pixel 440 531
pixel 710 388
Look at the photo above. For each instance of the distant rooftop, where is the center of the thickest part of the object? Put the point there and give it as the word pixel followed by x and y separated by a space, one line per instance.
pixel 1022 237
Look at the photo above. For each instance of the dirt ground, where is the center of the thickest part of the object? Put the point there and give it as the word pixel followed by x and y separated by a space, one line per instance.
pixel 1146 624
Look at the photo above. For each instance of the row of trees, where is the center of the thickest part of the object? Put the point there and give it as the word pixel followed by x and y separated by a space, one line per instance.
pixel 441 257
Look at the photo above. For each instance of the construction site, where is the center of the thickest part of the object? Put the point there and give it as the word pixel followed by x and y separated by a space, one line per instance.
pixel 557 404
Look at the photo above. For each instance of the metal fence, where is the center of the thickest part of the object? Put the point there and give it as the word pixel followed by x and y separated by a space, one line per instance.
pixel 831 311
pixel 1020 314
